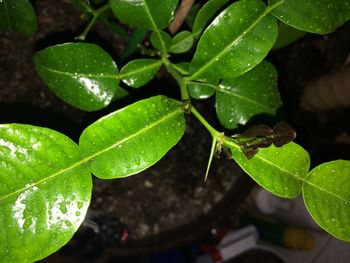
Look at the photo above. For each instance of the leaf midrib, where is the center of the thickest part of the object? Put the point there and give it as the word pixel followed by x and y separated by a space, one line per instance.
pixel 155 28
pixel 268 162
pixel 230 92
pixel 173 46
pixel 97 154
pixel 77 75
pixel 247 100
pixel 237 39
pixel 302 179
pixel 155 64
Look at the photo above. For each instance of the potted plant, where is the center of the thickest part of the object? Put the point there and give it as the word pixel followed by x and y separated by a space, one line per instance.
pixel 46 178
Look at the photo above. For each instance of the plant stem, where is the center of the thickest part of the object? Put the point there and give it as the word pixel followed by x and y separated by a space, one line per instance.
pixel 213 132
pixel 180 15
pixel 95 14
pixel 178 77
pixel 182 82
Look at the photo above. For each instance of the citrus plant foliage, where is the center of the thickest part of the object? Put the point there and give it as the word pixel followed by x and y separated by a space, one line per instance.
pixel 45 178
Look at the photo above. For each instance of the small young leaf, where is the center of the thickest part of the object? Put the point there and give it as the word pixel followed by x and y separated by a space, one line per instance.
pixel 149 14
pixel 182 67
pixel 81 5
pixel 44 194
pixel 140 71
pixel 278 170
pixel 81 74
pixel 236 41
pixel 199 90
pixel 251 94
pixel 161 41
pixel 133 138
pixel 322 16
pixel 205 15
pixel 18 16
pixel 327 197
pixel 181 43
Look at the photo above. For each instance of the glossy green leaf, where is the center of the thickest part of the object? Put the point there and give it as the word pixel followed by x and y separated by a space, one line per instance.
pixel 181 43
pixel 236 41
pixel 278 170
pixel 44 195
pixel 161 41
pixel 326 193
pixel 149 14
pixel 133 138
pixel 81 74
pixel 287 35
pixel 140 71
pixel 199 90
pixel 183 67
pixel 321 16
pixel 206 14
pixel 18 16
pixel 249 95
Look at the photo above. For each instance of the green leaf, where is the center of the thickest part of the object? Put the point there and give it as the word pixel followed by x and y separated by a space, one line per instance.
pixel 18 16
pixel 205 15
pixel 140 71
pixel 116 28
pixel 81 74
pixel 81 5
pixel 278 170
pixel 44 195
pixel 249 95
pixel 161 41
pixel 149 14
pixel 326 194
pixel 322 16
pixel 133 138
pixel 199 90
pixel 287 35
pixel 137 37
pixel 236 41
pixel 181 43
pixel 182 67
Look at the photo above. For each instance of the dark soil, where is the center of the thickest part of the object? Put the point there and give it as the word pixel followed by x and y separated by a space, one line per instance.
pixel 164 200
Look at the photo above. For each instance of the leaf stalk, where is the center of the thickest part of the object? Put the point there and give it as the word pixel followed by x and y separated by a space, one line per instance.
pixel 95 15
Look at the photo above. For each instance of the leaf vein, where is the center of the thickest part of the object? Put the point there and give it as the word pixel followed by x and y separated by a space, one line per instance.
pixel 236 40
pixel 149 67
pixel 78 75
pixel 304 180
pixel 95 155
